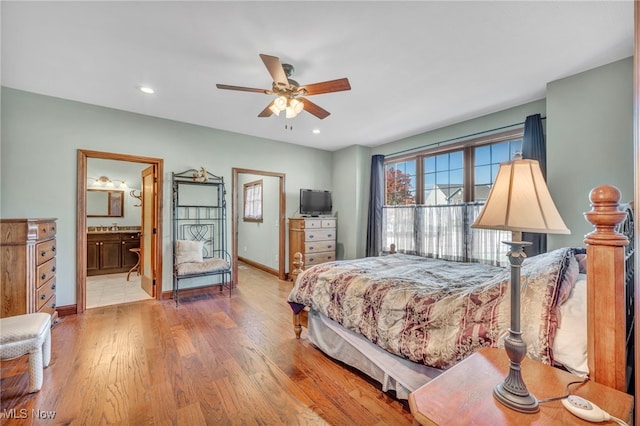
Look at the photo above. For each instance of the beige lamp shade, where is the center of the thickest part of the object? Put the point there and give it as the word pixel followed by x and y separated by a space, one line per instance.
pixel 520 201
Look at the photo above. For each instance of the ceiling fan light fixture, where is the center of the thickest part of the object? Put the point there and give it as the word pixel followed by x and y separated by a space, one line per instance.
pixel 297 106
pixel 274 109
pixel 280 103
pixel 287 89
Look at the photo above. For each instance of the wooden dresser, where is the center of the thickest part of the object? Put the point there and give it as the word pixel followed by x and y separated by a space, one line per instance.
pixel 314 237
pixel 28 262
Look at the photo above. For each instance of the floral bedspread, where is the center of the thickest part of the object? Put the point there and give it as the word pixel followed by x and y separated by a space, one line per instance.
pixel 438 312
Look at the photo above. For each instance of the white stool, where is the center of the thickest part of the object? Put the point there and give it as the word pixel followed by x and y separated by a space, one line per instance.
pixel 27 334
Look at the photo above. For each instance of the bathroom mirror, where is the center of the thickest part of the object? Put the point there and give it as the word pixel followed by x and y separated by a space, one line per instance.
pixel 105 203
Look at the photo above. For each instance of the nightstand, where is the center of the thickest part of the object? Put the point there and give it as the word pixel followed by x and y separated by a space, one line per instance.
pixel 464 394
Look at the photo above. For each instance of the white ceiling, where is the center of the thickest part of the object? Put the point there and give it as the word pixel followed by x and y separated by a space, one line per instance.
pixel 413 66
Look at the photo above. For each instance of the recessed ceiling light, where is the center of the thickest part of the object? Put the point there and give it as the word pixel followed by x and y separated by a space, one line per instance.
pixel 148 90
pixel 316 131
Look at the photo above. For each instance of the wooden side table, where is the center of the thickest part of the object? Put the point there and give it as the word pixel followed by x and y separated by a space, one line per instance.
pixel 464 394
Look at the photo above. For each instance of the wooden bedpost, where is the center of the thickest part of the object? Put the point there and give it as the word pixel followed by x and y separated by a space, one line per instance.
pixel 298 319
pixel 606 310
pixel 298 264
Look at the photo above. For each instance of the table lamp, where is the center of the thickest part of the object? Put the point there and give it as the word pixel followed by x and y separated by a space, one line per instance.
pixel 519 201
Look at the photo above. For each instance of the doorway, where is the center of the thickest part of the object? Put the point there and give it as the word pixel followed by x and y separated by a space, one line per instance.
pixel 236 211
pixel 155 252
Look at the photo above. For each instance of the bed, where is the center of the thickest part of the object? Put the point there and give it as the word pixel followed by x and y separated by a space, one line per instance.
pixel 403 319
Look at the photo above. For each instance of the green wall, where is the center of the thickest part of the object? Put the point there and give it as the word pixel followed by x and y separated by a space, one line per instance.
pixel 351 170
pixel 41 136
pixel 589 142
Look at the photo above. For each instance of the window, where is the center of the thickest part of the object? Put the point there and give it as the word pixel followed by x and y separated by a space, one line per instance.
pixel 443 179
pixel 486 164
pixel 434 196
pixel 253 201
pixel 400 183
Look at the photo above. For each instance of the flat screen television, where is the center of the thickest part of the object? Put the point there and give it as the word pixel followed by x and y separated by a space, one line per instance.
pixel 315 202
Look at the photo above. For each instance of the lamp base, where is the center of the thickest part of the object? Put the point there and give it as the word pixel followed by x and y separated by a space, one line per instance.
pixel 523 404
pixel 513 391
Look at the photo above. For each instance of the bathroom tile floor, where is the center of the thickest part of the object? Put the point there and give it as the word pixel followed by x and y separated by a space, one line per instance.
pixel 113 289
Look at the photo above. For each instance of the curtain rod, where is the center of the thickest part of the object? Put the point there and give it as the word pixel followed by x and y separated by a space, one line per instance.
pixel 456 138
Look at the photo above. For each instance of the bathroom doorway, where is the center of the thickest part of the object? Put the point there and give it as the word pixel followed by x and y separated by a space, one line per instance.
pixel 153 257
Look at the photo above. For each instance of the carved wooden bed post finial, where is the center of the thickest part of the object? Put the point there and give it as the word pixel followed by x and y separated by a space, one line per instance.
pixel 604 215
pixel 298 264
pixel 606 319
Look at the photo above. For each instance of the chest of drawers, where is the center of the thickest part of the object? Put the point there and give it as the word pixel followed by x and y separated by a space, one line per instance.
pixel 314 237
pixel 28 266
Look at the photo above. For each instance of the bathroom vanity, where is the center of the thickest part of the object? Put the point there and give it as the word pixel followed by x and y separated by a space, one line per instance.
pixel 108 252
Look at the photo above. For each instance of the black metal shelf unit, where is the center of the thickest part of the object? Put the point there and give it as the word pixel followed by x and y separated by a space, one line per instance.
pixel 199 221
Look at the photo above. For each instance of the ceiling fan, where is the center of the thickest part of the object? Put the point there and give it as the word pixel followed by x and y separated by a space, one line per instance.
pixel 291 95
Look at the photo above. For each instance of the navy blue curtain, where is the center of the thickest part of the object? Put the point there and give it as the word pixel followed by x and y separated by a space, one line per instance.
pixel 535 148
pixel 376 201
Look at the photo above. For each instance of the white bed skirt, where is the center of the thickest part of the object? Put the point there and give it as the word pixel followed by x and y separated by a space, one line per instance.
pixel 392 372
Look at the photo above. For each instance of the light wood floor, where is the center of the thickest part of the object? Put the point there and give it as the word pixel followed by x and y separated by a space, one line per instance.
pixel 213 360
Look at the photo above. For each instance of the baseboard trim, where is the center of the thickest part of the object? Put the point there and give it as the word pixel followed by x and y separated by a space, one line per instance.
pixel 64 311
pixel 259 266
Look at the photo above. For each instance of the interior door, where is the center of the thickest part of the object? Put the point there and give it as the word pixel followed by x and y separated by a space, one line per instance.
pixel 148 240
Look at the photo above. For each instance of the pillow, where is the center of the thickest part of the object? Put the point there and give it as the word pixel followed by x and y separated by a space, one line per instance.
pixel 188 251
pixel 570 343
pixel 581 257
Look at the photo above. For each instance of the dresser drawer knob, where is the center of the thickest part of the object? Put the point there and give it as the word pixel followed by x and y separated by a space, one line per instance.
pixel 310 236
pixel 329 235
pixel 53 306
pixel 311 247
pixel 329 246
pixel 53 248
pixel 43 253
pixel 53 286
pixel 329 257
pixel 42 296
pixel 53 269
pixel 311 259
pixel 43 276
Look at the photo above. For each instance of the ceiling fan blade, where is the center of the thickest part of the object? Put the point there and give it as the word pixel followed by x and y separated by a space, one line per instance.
pixel 314 109
pixel 267 111
pixel 243 89
pixel 275 69
pixel 327 87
